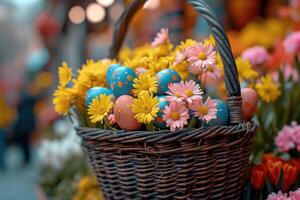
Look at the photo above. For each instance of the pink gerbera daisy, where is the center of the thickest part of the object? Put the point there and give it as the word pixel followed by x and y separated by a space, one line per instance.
pixel 257 55
pixel 190 91
pixel 212 71
pixel 162 37
pixel 200 56
pixel 176 115
pixel 175 93
pixel 206 111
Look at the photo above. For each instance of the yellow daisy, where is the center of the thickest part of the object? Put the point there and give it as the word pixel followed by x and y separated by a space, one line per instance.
pixel 145 108
pixel 268 90
pixel 99 108
pixel 64 74
pixel 145 83
pixel 245 69
pixel 63 100
pixel 185 44
pixel 211 40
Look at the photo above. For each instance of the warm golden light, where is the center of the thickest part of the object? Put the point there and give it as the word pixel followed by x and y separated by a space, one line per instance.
pixel 106 3
pixel 77 15
pixel 95 13
pixel 151 4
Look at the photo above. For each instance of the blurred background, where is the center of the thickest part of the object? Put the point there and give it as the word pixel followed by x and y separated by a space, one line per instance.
pixel 40 155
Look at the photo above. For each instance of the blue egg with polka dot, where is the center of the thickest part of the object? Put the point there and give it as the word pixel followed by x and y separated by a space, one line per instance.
pixel 110 71
pixel 165 77
pixel 122 81
pixel 159 123
pixel 95 92
pixel 222 114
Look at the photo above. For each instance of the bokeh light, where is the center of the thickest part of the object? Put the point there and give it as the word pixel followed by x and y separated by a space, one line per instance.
pixel 106 3
pixel 77 15
pixel 95 13
pixel 116 11
pixel 152 4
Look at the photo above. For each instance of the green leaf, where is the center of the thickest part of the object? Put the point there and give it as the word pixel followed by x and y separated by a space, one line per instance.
pixel 280 182
pixel 270 188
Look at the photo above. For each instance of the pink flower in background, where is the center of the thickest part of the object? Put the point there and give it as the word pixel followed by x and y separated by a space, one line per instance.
pixel 112 119
pixel 256 55
pixel 295 195
pixel 206 111
pixel 288 138
pixel 176 115
pixel 200 56
pixel 140 70
pixel 212 71
pixel 292 43
pixel 190 91
pixel 288 72
pixel 180 56
pixel 175 93
pixel 279 196
pixel 162 37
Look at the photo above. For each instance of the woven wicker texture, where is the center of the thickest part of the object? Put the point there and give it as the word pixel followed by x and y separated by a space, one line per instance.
pixel 205 163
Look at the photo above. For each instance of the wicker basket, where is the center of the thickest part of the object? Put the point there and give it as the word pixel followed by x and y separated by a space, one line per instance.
pixel 205 163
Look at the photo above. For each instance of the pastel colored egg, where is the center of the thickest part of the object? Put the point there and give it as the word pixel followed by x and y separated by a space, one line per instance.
pixel 124 115
pixel 250 100
pixel 159 123
pixel 222 114
pixel 165 77
pixel 110 71
pixel 121 81
pixel 94 92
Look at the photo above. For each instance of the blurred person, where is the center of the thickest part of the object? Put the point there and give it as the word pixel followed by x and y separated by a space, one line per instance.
pixel 25 123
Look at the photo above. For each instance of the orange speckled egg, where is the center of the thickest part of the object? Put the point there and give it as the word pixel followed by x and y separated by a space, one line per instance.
pixel 250 100
pixel 123 114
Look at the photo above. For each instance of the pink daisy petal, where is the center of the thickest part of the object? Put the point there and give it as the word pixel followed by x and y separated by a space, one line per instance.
pixel 162 37
pixel 205 111
pixel 257 55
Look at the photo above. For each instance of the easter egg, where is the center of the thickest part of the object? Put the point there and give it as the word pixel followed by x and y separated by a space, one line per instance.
pixel 165 77
pixel 110 71
pixel 159 123
pixel 94 92
pixel 121 81
pixel 250 100
pixel 124 115
pixel 222 114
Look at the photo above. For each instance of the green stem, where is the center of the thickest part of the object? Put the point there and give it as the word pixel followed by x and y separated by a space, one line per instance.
pixel 150 127
pixel 192 122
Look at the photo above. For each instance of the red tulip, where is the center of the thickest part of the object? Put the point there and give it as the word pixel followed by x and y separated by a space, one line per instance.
pixel 290 176
pixel 258 175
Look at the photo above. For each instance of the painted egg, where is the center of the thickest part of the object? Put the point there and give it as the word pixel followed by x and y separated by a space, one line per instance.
pixel 159 123
pixel 124 115
pixel 94 92
pixel 165 77
pixel 121 81
pixel 110 71
pixel 250 100
pixel 222 114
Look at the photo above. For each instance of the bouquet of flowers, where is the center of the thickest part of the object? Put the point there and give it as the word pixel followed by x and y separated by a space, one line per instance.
pixel 153 87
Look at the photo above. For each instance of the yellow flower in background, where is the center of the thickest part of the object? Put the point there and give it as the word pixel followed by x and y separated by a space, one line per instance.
pixel 7 115
pixel 145 108
pixel 63 100
pixel 211 40
pixel 125 53
pixel 268 90
pixel 99 108
pixel 245 70
pixel 64 74
pixel 92 74
pixel 145 83
pixel 155 63
pixel 184 44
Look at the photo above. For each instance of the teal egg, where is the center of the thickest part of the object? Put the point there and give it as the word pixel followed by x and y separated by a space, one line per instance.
pixel 159 123
pixel 222 114
pixel 94 92
pixel 121 81
pixel 165 77
pixel 110 71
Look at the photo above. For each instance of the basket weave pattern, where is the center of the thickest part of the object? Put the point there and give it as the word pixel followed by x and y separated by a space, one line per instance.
pixel 204 163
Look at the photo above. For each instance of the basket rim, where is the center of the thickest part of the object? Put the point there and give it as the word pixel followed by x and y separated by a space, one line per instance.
pixel 164 136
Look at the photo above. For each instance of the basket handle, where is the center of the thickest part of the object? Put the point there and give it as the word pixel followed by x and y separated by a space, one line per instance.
pixel 232 83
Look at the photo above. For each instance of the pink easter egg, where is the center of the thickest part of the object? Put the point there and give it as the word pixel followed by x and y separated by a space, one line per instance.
pixel 250 100
pixel 124 115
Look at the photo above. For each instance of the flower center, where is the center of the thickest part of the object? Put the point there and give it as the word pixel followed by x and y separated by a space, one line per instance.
pixel 202 56
pixel 175 116
pixel 177 95
pixel 147 109
pixel 188 92
pixel 210 68
pixel 145 86
pixel 202 110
